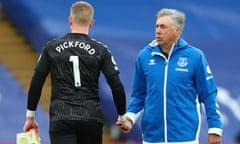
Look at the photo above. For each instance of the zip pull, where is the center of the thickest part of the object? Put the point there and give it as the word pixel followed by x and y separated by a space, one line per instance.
pixel 166 61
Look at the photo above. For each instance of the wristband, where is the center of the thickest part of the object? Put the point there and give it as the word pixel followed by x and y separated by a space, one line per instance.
pixel 30 113
pixel 121 118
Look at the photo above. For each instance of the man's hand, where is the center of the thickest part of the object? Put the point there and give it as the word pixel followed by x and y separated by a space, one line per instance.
pixel 30 123
pixel 214 139
pixel 125 125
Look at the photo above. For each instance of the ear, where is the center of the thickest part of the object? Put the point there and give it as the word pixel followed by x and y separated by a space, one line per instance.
pixel 70 20
pixel 178 31
pixel 91 23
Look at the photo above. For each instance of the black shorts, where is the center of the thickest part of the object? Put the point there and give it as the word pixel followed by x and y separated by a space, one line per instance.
pixel 75 132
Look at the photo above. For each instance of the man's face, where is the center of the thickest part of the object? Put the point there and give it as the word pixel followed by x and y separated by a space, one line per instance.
pixel 166 33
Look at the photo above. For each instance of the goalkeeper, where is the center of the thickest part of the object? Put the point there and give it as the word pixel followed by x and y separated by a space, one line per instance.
pixel 75 62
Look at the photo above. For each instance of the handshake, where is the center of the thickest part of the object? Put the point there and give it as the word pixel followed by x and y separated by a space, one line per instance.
pixel 124 123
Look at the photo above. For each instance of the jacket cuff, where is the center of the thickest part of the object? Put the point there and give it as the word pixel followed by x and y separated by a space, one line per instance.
pixel 216 131
pixel 134 116
pixel 131 116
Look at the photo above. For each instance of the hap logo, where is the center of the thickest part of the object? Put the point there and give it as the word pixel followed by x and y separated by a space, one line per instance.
pixel 152 62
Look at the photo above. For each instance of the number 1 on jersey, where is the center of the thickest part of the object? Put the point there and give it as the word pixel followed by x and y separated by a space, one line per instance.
pixel 76 70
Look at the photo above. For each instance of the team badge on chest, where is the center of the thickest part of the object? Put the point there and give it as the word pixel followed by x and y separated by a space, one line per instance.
pixel 182 62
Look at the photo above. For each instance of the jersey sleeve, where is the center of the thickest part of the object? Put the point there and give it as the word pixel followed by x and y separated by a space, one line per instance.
pixel 109 65
pixel 111 72
pixel 35 90
pixel 38 79
pixel 118 93
pixel 43 64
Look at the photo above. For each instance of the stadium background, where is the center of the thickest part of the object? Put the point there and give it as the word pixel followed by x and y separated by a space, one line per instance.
pixel 125 26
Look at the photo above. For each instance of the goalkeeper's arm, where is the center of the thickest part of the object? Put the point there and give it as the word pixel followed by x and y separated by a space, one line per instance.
pixel 118 93
pixel 34 93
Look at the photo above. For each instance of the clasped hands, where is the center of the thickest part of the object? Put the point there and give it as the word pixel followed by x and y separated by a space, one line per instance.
pixel 124 123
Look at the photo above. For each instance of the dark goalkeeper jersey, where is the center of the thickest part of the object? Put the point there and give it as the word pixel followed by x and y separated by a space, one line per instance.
pixel 75 62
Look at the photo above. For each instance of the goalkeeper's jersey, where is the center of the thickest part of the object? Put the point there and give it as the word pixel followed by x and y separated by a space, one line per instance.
pixel 75 62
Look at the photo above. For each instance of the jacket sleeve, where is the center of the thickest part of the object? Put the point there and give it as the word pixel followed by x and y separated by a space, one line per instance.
pixel 207 92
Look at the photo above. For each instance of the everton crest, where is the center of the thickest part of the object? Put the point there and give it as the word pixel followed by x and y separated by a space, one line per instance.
pixel 182 62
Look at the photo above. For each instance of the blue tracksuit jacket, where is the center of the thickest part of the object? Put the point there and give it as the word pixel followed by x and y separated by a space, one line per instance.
pixel 170 90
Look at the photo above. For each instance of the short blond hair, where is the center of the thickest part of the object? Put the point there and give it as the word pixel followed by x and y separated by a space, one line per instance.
pixel 82 13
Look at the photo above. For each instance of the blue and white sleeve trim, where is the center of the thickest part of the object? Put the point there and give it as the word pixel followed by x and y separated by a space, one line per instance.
pixel 216 131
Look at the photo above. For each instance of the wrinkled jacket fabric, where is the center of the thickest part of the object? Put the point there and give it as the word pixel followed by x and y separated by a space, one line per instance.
pixel 170 91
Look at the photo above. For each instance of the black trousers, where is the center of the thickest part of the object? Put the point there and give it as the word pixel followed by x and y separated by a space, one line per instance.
pixel 75 132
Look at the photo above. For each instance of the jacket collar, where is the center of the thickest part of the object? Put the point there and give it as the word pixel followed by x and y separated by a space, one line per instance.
pixel 180 44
